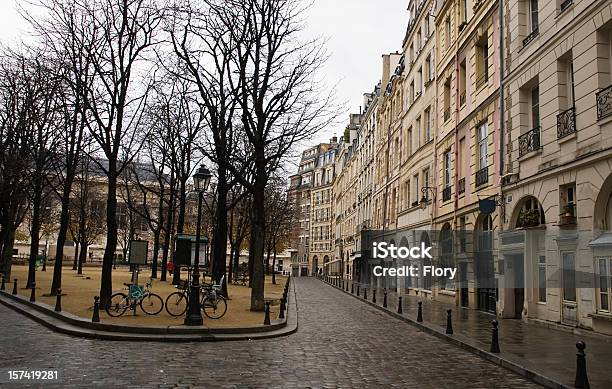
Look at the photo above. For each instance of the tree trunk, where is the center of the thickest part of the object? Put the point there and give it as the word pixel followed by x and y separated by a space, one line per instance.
pixel 34 239
pixel 219 259
pixel 82 257
pixel 61 238
pixel 156 239
pixel 274 264
pixel 166 246
pixel 257 242
pixel 106 283
pixel 7 251
pixel 75 264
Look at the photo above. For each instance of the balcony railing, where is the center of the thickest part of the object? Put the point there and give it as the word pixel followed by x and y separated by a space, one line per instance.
pixel 461 186
pixel 604 103
pixel 529 142
pixel 446 114
pixel 566 123
pixel 446 193
pixel 565 5
pixel 482 176
pixel 531 36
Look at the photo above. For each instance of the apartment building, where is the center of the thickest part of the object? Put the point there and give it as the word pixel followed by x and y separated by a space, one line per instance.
pixel 310 194
pixel 557 245
pixel 417 162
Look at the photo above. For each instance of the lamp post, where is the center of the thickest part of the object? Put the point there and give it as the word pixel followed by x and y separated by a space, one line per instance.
pixel 425 198
pixel 201 179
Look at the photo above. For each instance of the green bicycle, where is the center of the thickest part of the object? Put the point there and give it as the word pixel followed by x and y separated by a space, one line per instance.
pixel 149 302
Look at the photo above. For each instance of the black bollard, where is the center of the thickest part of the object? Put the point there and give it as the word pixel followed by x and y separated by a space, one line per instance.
pixel 3 286
pixel 385 300
pixel 365 293
pixel 399 305
pixel 44 268
pixel 58 301
pixel 449 321
pixel 267 317
pixel 15 287
pixel 582 381
pixel 96 310
pixel 281 315
pixel 33 294
pixel 420 312
pixel 495 337
pixel 352 290
pixel 357 290
pixel 374 296
pixel 342 285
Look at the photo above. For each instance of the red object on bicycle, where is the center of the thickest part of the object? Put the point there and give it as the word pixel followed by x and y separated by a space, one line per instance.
pixel 170 266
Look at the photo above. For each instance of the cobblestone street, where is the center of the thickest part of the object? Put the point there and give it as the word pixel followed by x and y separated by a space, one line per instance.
pixel 341 342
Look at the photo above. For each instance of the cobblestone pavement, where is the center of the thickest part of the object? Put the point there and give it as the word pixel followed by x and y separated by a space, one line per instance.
pixel 340 343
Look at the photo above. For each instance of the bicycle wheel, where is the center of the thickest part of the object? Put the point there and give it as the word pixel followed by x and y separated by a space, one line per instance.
pixel 117 304
pixel 152 304
pixel 176 304
pixel 214 308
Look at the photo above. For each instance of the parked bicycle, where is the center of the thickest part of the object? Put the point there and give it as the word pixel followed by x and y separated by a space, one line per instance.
pixel 137 295
pixel 213 303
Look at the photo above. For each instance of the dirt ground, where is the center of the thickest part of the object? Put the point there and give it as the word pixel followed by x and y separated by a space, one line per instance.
pixel 78 296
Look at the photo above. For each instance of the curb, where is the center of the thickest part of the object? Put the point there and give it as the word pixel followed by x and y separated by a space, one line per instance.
pixel 467 344
pixel 73 325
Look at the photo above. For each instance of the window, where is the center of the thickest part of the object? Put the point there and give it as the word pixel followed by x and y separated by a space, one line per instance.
pixel 533 15
pixel 407 197
pixel 448 33
pixel 428 125
pixel 542 279
pixel 535 107
pixel 412 54
pixel 409 145
pixel 569 276
pixel 462 79
pixel 418 131
pixel 605 275
pixel 447 169
pixel 428 69
pixel 426 26
pixel 417 189
pixel 483 153
pixel 461 162
pixel 412 92
pixel 464 10
pixel 447 92
pixel 418 40
pixel 426 181
pixel 420 81
pixel 482 61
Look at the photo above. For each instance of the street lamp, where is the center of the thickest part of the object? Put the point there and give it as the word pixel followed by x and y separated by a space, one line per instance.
pixel 201 179
pixel 425 199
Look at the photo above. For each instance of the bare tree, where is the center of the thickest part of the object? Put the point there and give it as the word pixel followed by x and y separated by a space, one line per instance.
pixel 115 38
pixel 280 99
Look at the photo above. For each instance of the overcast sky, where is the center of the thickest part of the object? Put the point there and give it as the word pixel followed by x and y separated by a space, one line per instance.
pixel 358 33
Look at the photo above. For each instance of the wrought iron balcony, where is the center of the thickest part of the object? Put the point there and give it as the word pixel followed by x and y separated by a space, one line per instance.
pixel 461 186
pixel 482 176
pixel 565 5
pixel 529 142
pixel 531 36
pixel 446 114
pixel 446 193
pixel 566 123
pixel 604 103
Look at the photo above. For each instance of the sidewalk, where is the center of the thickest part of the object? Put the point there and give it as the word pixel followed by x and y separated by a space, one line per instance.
pixel 548 351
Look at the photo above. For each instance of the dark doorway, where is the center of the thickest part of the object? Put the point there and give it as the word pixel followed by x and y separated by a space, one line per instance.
pixel 463 293
pixel 304 272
